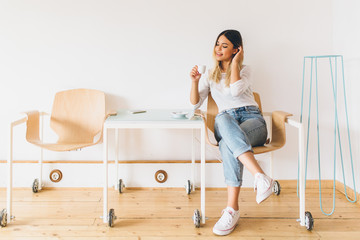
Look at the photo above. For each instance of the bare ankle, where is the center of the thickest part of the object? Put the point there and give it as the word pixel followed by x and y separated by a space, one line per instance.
pixel 236 208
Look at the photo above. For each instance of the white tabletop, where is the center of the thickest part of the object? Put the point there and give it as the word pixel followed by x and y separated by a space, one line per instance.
pixel 163 117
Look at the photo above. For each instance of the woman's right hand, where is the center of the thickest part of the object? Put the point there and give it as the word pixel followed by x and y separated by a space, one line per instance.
pixel 194 74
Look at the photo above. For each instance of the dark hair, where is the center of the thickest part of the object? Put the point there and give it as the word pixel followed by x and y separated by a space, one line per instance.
pixel 233 36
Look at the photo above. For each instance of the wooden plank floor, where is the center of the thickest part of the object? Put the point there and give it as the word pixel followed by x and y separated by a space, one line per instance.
pixel 150 214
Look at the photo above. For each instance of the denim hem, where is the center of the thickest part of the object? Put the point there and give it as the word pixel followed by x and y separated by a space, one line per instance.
pixel 233 184
pixel 240 151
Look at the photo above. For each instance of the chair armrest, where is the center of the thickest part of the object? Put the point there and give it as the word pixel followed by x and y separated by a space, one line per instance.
pixel 278 113
pixel 278 128
pixel 18 121
pixel 282 115
pixel 279 119
pixel 24 119
pixel 202 114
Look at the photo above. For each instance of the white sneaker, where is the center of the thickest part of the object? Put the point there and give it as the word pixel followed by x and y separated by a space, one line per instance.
pixel 264 186
pixel 227 222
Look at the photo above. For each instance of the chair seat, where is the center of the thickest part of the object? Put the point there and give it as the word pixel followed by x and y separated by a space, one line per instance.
pixel 266 148
pixel 62 147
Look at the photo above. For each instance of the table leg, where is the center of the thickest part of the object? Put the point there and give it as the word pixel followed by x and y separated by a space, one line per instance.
pixel 41 152
pixel 302 175
pixel 117 158
pixel 203 173
pixel 105 191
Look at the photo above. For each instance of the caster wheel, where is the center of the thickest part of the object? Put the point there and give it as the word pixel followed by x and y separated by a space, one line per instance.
pixel 112 217
pixel 197 218
pixel 121 186
pixel 3 218
pixel 309 221
pixel 35 186
pixel 276 188
pixel 188 187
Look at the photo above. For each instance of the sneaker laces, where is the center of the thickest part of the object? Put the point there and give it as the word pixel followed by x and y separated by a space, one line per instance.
pixel 226 217
pixel 255 183
pixel 264 183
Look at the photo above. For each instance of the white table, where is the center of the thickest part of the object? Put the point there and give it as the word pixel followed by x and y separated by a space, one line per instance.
pixel 152 119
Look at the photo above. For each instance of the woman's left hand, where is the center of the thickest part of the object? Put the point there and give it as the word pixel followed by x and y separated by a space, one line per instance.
pixel 239 56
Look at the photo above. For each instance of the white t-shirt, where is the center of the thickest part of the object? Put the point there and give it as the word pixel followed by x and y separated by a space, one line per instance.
pixel 238 94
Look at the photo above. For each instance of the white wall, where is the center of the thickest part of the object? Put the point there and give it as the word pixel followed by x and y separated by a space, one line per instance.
pixel 140 53
pixel 346 37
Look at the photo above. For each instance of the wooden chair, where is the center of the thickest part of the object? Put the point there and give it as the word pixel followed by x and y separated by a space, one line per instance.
pixel 77 118
pixel 277 138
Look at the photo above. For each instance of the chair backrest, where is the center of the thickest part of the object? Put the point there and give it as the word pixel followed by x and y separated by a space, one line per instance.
pixel 77 115
pixel 212 110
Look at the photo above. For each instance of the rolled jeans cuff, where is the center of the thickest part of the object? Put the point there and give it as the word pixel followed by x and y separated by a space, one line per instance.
pixel 233 184
pixel 242 150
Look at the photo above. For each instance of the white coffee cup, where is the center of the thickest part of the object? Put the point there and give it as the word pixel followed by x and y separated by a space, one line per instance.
pixel 201 69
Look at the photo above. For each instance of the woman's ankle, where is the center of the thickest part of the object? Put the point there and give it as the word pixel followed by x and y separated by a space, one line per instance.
pixel 235 207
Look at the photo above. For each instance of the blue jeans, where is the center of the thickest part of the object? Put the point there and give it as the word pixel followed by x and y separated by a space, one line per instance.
pixel 237 130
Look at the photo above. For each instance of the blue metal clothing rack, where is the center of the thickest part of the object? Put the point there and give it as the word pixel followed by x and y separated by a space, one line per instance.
pixel 334 82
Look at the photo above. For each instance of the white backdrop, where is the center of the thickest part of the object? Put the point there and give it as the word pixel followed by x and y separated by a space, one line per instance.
pixel 140 53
